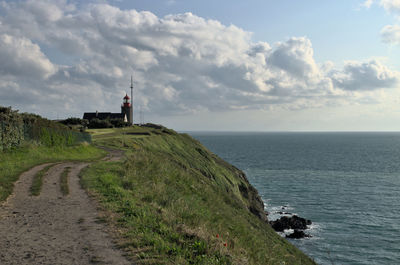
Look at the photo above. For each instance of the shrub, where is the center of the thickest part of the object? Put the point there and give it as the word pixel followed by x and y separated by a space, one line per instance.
pixel 99 124
pixel 16 128
pixel 11 128
pixel 118 123
pixel 75 121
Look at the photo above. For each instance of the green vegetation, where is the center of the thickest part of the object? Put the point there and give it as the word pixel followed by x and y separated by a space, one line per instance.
pixel 16 129
pixel 64 187
pixel 171 200
pixel 18 160
pixel 11 129
pixel 38 181
pixel 174 202
pixel 82 124
pixel 109 123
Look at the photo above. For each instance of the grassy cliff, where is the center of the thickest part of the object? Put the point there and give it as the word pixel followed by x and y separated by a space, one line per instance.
pixel 174 202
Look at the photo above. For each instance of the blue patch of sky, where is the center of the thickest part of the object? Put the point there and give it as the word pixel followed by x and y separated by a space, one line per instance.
pixel 58 57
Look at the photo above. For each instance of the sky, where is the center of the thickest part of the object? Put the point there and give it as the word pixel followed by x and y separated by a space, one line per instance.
pixel 255 65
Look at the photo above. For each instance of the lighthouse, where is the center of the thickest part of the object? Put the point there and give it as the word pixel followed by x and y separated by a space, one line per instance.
pixel 126 114
pixel 126 108
pixel 127 105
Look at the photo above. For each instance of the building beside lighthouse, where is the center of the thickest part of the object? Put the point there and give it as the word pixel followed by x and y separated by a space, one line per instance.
pixel 123 116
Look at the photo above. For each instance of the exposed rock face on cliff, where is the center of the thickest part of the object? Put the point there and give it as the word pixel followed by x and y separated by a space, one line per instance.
pixel 250 195
pixel 256 205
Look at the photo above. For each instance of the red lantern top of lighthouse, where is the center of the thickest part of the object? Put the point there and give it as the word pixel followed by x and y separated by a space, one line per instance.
pixel 126 101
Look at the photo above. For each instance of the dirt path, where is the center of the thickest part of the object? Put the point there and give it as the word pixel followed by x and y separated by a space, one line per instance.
pixel 113 154
pixel 52 228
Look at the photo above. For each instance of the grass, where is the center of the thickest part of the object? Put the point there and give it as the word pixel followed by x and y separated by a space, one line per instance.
pixel 14 162
pixel 119 137
pixel 171 201
pixel 37 181
pixel 174 202
pixel 100 131
pixel 64 187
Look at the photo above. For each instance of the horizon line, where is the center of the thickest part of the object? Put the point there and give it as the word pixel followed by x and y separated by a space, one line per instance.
pixel 287 131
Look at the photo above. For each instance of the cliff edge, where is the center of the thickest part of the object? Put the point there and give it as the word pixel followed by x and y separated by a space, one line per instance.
pixel 172 201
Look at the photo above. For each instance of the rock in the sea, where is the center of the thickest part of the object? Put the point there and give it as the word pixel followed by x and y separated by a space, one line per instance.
pixel 280 212
pixel 297 234
pixel 293 222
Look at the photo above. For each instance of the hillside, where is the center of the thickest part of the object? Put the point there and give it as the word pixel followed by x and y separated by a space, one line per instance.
pixel 172 201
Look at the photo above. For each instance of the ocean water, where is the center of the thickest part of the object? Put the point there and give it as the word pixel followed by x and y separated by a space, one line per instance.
pixel 348 184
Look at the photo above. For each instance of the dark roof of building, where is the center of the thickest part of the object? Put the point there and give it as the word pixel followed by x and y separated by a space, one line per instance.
pixel 103 115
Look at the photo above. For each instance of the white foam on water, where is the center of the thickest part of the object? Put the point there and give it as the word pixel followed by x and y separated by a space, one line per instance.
pixel 276 212
pixel 314 227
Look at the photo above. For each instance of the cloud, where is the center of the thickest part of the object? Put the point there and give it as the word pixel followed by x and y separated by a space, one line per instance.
pixel 21 57
pixel 181 63
pixel 368 3
pixel 365 76
pixel 392 6
pixel 295 56
pixel 391 34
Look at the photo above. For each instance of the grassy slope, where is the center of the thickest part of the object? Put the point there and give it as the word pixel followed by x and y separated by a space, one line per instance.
pixel 14 162
pixel 174 202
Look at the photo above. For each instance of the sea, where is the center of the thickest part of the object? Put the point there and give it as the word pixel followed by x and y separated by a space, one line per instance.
pixel 346 183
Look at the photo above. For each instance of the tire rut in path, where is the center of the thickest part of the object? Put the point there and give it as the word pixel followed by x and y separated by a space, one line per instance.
pixel 52 228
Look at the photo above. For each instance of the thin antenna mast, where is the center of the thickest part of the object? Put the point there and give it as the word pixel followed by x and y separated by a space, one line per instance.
pixel 131 100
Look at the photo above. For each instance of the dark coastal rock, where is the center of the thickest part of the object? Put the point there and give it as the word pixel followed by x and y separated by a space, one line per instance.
pixel 293 222
pixel 280 212
pixel 297 234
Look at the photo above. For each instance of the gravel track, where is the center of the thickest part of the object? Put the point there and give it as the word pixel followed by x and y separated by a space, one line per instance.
pixel 52 228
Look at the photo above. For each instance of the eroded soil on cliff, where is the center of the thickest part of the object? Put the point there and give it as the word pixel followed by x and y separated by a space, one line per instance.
pixel 52 228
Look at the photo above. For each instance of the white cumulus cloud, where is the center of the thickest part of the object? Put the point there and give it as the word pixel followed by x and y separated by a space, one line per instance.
pixel 391 34
pixel 182 63
pixel 392 6
pixel 365 76
pixel 20 57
